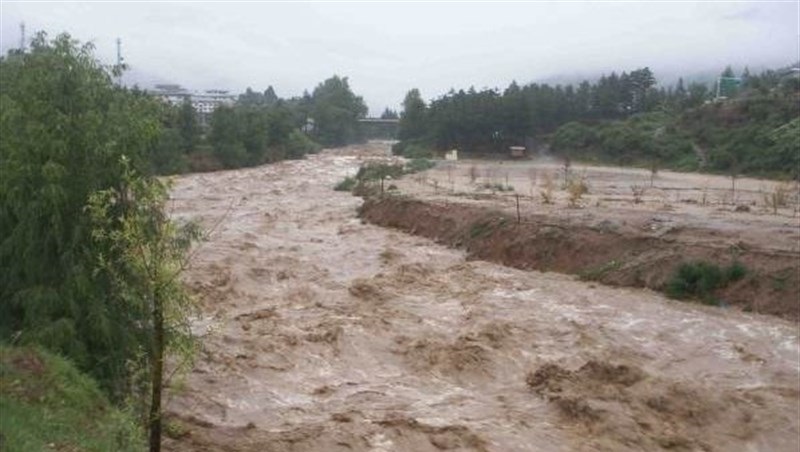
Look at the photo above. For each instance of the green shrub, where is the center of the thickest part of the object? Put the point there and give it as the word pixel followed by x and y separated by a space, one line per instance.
pixel 377 171
pixel 299 144
pixel 574 136
pixel 700 279
pixel 735 272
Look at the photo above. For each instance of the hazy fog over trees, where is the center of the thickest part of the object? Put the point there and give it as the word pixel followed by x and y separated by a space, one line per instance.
pixel 215 45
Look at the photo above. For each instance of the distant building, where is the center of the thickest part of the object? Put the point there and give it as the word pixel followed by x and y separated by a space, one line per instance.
pixel 204 102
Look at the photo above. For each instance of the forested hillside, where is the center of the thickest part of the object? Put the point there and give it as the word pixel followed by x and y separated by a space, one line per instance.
pixel 624 119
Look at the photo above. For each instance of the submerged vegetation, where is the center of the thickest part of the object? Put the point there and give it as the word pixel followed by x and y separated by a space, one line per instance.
pixel 378 172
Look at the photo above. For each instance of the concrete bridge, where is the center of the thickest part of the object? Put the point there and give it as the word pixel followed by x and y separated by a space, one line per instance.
pixel 379 129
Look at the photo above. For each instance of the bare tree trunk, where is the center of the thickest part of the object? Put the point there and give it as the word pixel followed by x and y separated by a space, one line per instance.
pixel 157 373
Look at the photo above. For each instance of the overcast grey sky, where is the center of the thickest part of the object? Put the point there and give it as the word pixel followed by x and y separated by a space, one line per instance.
pixel 387 48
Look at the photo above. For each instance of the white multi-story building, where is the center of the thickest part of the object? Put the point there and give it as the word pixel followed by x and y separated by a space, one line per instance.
pixel 204 102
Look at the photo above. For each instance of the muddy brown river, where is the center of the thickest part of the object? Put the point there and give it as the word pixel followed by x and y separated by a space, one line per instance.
pixel 320 333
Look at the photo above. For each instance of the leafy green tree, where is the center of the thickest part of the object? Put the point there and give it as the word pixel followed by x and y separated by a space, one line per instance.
pixel 679 96
pixel 225 138
pixel 574 136
pixel 249 134
pixel 146 254
pixel 167 156
pixel 64 127
pixel 698 93
pixel 298 144
pixel 252 134
pixel 90 259
pixel 516 114
pixel 609 97
pixel 336 111
pixel 640 83
pixel 252 98
pixel 188 127
pixel 412 119
pixel 280 125
pixel 270 98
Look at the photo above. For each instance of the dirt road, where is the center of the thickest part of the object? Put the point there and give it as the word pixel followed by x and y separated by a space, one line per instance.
pixel 320 333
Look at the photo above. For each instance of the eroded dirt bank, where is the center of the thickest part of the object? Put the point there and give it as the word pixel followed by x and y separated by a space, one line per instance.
pixel 320 333
pixel 610 253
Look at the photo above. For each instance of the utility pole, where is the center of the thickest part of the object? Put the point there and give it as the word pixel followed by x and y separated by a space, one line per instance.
pixel 22 37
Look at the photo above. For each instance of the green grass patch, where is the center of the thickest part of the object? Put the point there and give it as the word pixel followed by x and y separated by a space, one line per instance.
pixel 47 404
pixel 376 171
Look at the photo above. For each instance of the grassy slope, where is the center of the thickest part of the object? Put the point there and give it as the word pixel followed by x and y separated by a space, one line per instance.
pixel 46 404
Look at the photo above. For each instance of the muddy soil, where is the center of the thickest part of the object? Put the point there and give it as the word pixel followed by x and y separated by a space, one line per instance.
pixel 320 333
pixel 614 254
pixel 703 208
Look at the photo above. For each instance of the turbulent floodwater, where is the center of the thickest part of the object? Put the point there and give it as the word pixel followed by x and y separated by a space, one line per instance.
pixel 319 333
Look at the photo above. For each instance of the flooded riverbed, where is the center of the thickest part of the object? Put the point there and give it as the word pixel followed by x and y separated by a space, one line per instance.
pixel 320 333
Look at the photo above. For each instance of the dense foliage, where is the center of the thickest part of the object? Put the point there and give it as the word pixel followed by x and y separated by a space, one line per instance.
pixel 336 111
pixel 259 128
pixel 624 119
pixel 700 279
pixel 252 134
pixel 65 127
pixel 77 200
pixel 90 259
